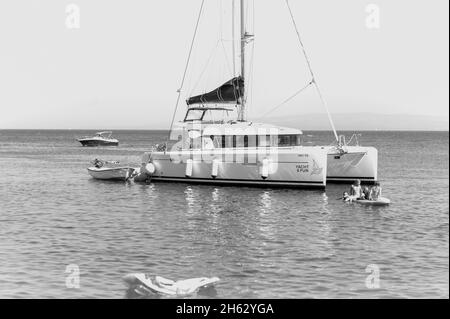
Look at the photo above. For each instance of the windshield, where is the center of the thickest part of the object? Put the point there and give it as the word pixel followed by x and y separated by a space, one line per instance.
pixel 194 115
pixel 214 115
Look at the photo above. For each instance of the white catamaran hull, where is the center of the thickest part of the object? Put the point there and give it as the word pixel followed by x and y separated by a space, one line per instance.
pixel 304 167
pixel 308 167
pixel 356 162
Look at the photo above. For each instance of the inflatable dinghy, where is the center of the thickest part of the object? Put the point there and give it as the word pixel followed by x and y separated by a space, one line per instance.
pixel 160 285
pixel 381 201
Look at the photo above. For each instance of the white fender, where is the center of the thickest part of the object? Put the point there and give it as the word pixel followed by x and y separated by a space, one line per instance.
pixel 150 168
pixel 265 168
pixel 215 168
pixel 189 167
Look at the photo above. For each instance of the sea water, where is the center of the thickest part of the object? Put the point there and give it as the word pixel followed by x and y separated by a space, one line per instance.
pixel 66 235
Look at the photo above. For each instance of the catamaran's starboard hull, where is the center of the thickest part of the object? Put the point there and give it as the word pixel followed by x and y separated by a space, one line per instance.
pixel 301 167
pixel 356 163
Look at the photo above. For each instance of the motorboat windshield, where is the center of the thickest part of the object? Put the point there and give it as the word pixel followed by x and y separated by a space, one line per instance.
pixel 105 134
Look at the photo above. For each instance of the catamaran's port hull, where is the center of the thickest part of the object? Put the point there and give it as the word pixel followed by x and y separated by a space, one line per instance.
pixel 356 162
pixel 288 168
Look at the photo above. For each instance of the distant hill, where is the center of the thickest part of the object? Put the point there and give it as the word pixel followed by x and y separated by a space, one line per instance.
pixel 362 122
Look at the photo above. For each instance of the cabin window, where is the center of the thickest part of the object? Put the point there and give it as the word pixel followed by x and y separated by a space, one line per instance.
pixel 223 141
pixel 284 140
pixel 208 142
pixel 195 143
pixel 240 141
pixel 263 141
pixel 298 140
pixel 235 141
pixel 289 140
pixel 228 141
pixel 251 141
pixel 217 140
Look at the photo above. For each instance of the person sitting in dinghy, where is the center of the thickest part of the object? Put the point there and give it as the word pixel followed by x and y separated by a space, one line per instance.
pixel 346 197
pixel 375 192
pixel 97 163
pixel 355 190
pixel 365 193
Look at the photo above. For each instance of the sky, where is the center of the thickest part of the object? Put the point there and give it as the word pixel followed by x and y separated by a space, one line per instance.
pixel 120 67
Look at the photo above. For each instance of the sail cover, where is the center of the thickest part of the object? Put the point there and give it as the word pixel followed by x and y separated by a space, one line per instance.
pixel 229 92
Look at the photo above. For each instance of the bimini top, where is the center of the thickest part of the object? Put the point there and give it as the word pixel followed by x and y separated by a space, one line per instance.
pixel 228 93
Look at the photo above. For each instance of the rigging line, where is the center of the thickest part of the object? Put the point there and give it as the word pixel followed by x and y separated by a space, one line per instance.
pixel 250 81
pixel 233 35
pixel 252 59
pixel 226 57
pixel 249 91
pixel 312 73
pixel 287 100
pixel 211 56
pixel 251 73
pixel 246 15
pixel 186 67
pixel 221 14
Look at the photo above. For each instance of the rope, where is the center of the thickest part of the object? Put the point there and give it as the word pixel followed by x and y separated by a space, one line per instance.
pixel 287 100
pixel 211 56
pixel 186 68
pixel 250 71
pixel 226 57
pixel 252 60
pixel 311 71
pixel 250 81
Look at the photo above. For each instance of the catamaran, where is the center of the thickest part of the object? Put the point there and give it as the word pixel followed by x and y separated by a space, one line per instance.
pixel 217 144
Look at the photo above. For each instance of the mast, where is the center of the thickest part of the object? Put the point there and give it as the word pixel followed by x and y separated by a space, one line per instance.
pixel 233 34
pixel 243 34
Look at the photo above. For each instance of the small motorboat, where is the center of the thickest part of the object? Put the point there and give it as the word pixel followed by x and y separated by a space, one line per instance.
pixel 99 139
pixel 111 173
pixel 108 170
pixel 160 285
